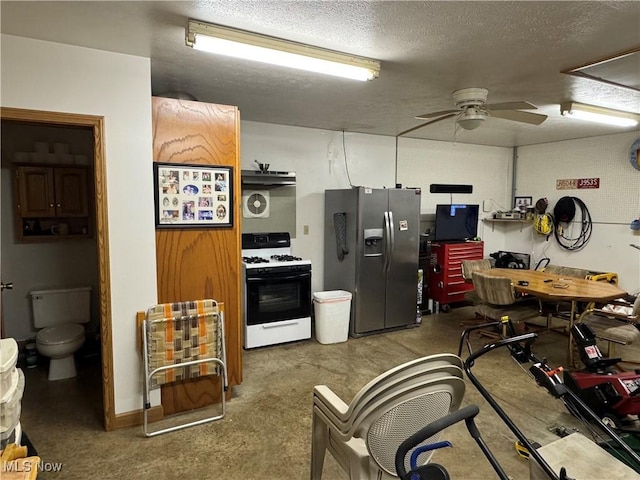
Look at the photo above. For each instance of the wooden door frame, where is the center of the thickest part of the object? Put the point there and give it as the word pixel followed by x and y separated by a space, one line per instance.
pixel 96 123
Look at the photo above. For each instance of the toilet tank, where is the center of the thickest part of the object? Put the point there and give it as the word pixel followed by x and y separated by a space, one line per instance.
pixel 58 307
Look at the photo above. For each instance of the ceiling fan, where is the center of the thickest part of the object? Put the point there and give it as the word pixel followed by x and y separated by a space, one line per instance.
pixel 472 110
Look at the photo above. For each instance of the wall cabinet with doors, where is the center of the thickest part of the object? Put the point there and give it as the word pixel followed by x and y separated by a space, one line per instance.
pixel 52 202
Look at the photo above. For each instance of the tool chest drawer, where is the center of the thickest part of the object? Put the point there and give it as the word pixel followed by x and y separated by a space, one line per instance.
pixel 446 284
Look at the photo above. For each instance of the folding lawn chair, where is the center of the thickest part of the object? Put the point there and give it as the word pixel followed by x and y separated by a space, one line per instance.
pixel 181 341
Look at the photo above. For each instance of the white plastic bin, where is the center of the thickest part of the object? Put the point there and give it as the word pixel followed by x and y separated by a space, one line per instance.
pixel 10 403
pixel 8 359
pixel 332 312
pixel 11 436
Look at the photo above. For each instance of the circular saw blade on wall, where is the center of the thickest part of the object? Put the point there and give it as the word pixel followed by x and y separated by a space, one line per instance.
pixel 255 204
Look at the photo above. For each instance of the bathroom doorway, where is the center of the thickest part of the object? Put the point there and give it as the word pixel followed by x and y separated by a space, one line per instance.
pixel 100 232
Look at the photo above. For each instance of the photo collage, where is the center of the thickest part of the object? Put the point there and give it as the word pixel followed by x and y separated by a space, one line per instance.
pixel 193 195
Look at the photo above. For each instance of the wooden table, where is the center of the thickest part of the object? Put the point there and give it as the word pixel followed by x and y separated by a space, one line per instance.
pixel 547 286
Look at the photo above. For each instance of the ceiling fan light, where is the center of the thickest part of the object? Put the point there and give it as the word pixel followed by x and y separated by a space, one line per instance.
pixel 592 113
pixel 472 110
pixel 471 122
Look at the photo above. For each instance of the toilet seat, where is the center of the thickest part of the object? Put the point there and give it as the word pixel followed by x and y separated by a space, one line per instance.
pixel 60 334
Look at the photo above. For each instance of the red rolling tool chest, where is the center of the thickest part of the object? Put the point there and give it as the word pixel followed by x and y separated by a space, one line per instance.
pixel 446 284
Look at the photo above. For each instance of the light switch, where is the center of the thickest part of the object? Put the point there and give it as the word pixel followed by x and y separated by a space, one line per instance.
pixel 305 229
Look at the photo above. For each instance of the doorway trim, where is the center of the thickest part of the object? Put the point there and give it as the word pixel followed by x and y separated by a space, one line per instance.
pixel 96 123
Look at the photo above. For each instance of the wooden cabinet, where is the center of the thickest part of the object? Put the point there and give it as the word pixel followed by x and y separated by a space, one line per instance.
pixel 446 284
pixel 52 192
pixel 71 192
pixel 51 201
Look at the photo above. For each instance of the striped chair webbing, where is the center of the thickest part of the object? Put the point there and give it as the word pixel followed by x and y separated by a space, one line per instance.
pixel 181 332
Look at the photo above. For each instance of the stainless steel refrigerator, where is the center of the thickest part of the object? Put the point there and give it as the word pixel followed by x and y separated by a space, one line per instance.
pixel 371 248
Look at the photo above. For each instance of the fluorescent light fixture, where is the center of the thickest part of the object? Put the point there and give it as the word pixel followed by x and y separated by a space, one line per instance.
pixel 250 46
pixel 604 115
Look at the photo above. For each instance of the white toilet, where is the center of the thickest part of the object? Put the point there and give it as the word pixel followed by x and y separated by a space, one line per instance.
pixel 59 315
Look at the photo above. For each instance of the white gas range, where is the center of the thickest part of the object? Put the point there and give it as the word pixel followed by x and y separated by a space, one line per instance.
pixel 276 291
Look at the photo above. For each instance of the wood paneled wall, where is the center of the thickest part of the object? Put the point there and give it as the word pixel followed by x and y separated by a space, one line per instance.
pixel 201 263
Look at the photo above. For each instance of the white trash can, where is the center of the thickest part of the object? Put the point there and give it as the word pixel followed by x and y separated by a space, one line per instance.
pixel 332 313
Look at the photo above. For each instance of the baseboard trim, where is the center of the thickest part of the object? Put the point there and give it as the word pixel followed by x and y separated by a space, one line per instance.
pixel 133 418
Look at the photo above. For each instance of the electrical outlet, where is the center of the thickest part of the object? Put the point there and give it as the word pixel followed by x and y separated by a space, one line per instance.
pixel 486 205
pixel 305 229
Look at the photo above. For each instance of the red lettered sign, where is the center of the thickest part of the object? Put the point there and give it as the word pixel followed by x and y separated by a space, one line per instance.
pixel 588 183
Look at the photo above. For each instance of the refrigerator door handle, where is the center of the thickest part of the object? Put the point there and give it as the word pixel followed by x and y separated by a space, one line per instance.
pixel 392 238
pixel 387 242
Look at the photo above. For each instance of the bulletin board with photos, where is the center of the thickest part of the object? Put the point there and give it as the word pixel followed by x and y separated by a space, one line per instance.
pixel 189 195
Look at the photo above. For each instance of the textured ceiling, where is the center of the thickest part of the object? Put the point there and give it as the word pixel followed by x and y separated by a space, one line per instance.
pixel 426 49
pixel 620 69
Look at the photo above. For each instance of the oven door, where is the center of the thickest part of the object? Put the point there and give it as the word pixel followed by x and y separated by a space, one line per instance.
pixel 276 296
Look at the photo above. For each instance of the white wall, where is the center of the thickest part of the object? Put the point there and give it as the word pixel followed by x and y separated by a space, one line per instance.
pixel 612 207
pixel 54 77
pixel 487 169
pixel 318 158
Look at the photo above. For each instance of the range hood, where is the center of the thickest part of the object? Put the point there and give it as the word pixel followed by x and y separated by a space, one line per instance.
pixel 268 177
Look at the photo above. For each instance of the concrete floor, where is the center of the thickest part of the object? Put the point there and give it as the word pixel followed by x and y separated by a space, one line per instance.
pixel 267 431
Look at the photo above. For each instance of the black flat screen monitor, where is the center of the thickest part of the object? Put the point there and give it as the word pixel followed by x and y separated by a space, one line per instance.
pixel 456 222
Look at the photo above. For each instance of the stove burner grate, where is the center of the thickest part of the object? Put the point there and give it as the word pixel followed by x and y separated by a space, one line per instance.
pixel 284 258
pixel 254 260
